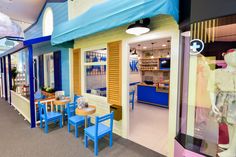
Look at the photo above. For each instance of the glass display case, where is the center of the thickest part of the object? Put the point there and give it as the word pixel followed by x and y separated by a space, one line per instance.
pixel 208 101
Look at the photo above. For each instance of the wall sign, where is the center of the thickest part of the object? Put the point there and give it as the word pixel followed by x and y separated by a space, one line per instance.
pixel 196 46
pixel 134 65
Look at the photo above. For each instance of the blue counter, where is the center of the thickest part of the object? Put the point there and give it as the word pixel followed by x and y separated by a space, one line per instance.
pixel 149 95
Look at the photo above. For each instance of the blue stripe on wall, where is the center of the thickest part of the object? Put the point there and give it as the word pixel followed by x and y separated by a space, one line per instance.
pixel 65 71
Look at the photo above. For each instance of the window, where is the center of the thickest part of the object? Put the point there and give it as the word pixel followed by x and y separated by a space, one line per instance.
pixel 49 70
pixel 48 22
pixel 95 72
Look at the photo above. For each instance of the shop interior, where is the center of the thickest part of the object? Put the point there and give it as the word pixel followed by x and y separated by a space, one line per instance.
pixel 149 93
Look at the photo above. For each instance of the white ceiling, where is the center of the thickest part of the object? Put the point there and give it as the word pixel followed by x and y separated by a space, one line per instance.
pixel 147 45
pixel 25 11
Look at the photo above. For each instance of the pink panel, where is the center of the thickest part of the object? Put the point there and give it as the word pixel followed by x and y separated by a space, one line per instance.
pixel 181 152
pixel 192 154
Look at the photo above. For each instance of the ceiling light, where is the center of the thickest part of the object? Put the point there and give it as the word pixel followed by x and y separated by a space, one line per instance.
pixel 144 47
pixel 164 45
pixel 139 27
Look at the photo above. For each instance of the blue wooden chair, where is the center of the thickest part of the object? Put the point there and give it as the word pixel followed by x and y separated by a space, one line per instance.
pixel 73 119
pixel 131 99
pixel 98 131
pixel 48 117
pixel 76 97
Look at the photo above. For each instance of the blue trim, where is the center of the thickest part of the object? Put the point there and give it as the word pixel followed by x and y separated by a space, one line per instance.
pixel 41 12
pixel 1 65
pixel 37 40
pixel 10 77
pixel 31 84
pixel 5 77
pixel 41 71
pixel 57 70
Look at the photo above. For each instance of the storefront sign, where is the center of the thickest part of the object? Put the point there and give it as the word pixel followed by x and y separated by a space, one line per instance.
pixel 196 46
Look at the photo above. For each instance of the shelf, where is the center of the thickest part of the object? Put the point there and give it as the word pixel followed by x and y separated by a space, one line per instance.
pixel 153 58
pixel 155 70
pixel 151 64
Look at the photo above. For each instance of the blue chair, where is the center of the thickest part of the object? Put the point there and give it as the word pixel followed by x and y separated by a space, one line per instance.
pixel 48 117
pixel 73 119
pixel 131 99
pixel 98 131
pixel 76 97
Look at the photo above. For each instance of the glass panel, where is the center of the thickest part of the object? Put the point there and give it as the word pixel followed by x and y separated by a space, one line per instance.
pixel 211 110
pixel 96 56
pixel 49 70
pixel 184 82
pixel 19 71
pixel 96 80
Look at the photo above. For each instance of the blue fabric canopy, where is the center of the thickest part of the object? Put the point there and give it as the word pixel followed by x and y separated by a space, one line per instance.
pixel 111 14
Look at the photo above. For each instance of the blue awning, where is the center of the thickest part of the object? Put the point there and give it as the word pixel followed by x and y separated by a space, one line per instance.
pixel 111 14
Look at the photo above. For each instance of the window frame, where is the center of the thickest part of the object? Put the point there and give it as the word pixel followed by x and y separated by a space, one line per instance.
pixel 48 11
pixel 46 76
pixel 84 75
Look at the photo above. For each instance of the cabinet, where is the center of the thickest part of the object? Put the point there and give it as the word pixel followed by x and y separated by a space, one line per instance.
pixel 149 95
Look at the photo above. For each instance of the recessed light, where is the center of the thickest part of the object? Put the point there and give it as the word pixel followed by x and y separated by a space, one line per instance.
pixel 164 45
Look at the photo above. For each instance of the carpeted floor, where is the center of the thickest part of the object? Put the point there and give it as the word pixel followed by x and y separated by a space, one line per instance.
pixel 17 139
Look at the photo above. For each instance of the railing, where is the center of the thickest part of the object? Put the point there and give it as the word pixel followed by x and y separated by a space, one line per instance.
pixel 21 104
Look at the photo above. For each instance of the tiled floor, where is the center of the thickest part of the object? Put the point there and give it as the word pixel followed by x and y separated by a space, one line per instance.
pixel 149 127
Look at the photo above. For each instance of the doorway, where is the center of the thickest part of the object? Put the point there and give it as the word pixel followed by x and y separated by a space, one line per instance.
pixel 149 79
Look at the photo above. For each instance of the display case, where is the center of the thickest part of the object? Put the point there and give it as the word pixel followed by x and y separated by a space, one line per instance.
pixel 208 96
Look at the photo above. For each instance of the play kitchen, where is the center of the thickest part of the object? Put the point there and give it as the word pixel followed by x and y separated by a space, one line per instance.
pixel 154 69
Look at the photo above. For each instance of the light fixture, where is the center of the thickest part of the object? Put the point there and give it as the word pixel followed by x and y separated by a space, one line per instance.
pixel 168 55
pixel 164 45
pixel 144 47
pixel 139 27
pixel 152 51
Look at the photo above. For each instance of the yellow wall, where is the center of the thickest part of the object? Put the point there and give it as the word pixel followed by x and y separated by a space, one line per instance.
pixel 161 26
